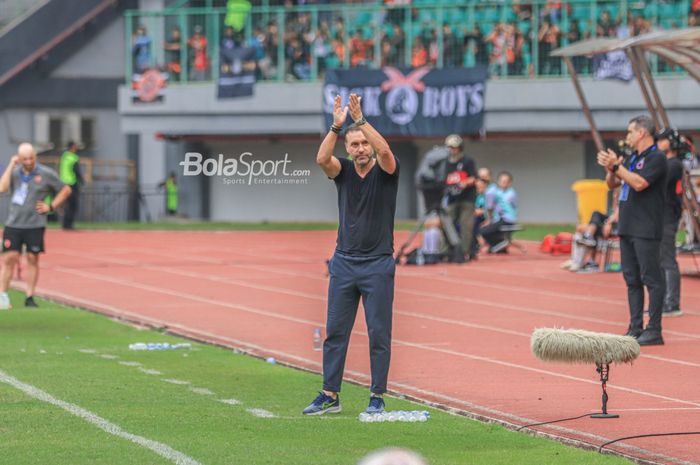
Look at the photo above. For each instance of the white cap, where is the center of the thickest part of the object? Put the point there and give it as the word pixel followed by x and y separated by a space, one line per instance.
pixel 453 140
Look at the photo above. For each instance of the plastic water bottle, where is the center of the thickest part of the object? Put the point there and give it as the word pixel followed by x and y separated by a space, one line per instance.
pixel 420 258
pixel 159 346
pixel 413 416
pixel 318 344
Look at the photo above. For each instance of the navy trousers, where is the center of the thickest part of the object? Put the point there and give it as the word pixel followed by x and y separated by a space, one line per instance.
pixel 352 278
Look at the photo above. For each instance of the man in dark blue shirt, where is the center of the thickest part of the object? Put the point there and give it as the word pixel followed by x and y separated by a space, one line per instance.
pixel 669 141
pixel 363 263
pixel 642 181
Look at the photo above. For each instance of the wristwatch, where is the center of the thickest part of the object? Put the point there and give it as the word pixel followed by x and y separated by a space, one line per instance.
pixel 615 167
pixel 360 121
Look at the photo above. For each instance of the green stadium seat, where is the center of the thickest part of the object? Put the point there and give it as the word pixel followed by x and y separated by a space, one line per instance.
pixel 667 10
pixel 426 16
pixel 492 14
pixel 388 30
pixel 524 26
pixel 650 10
pixel 582 13
pixel 455 16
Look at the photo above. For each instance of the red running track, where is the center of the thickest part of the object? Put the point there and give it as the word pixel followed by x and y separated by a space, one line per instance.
pixel 461 333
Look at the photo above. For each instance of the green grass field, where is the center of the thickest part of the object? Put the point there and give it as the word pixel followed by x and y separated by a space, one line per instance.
pixel 46 348
pixel 531 232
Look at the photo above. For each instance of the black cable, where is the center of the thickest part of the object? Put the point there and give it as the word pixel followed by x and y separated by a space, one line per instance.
pixel 600 449
pixel 554 421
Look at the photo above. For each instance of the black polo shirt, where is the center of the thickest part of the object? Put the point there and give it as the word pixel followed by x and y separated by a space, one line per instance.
pixel 366 210
pixel 674 191
pixel 641 213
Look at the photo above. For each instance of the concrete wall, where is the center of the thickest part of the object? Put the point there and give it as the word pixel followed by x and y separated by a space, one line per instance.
pixel 548 105
pixel 18 125
pixel 543 172
pixel 102 57
pixel 315 200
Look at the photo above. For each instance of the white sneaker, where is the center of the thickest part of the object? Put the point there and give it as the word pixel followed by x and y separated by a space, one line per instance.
pixel 5 301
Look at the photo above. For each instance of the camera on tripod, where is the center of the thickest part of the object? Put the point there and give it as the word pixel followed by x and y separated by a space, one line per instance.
pixel 430 182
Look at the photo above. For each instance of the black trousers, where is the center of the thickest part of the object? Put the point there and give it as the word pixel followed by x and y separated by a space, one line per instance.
pixel 641 266
pixel 70 208
pixel 372 279
pixel 669 264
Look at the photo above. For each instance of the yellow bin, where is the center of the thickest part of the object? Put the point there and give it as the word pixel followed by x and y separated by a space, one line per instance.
pixel 591 196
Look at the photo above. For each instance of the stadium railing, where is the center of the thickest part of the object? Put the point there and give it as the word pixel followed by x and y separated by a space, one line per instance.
pixel 301 42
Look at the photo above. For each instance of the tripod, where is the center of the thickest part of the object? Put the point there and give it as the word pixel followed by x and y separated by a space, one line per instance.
pixel 432 198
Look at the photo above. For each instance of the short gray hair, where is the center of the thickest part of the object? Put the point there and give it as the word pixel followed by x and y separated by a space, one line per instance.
pixel 644 122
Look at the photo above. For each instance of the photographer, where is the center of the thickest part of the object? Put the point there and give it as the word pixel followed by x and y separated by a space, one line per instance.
pixel 669 141
pixel 460 179
pixel 641 178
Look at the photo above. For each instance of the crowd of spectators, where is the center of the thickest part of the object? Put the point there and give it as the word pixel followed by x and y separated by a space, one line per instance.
pixel 518 46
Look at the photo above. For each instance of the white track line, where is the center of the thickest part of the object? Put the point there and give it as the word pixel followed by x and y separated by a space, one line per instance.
pixel 517 308
pixel 253 310
pixel 159 448
pixel 209 251
pixel 316 277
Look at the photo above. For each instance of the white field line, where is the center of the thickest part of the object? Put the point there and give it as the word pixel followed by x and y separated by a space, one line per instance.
pixel 149 371
pixel 108 357
pixel 202 391
pixel 180 382
pixel 260 413
pixel 248 309
pixel 159 448
pixel 130 364
pixel 230 401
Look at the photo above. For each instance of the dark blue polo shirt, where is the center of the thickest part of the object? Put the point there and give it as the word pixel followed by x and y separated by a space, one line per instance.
pixel 642 213
pixel 366 210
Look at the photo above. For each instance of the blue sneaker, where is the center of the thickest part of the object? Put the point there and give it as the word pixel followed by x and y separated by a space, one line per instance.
pixel 376 405
pixel 323 404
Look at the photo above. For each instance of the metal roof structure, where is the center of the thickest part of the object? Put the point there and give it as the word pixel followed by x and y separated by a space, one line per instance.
pixel 680 47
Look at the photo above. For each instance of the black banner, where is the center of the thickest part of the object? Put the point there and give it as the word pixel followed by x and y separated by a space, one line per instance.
pixel 412 102
pixel 612 65
pixel 237 73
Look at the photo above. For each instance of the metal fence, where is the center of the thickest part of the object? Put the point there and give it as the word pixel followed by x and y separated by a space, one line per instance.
pixel 299 43
pixel 106 204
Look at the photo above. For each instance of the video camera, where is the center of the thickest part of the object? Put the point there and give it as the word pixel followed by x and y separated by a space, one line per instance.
pixel 622 149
